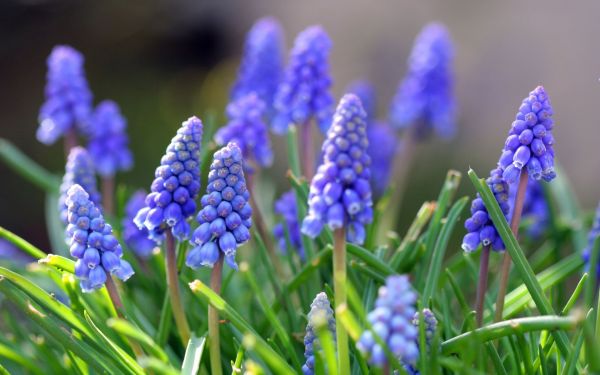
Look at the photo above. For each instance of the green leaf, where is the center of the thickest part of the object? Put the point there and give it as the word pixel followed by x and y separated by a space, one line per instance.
pixel 402 254
pixel 254 342
pixel 21 243
pixel 127 329
pixel 370 259
pixel 193 354
pixel 27 168
pixel 19 359
pixel 59 262
pixel 292 151
pixel 157 366
pixel 55 227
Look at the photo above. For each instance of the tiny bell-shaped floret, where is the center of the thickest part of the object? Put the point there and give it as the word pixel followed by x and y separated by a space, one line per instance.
pixel 135 238
pixel 289 228
pixel 320 314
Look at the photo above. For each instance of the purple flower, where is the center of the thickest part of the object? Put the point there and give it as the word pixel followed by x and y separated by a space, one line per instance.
pixel 247 129
pixel 340 194
pixel 304 92
pixel 592 236
pixel 430 323
pixel 391 320
pixel 262 66
pixel 79 170
pixel 226 216
pixel 93 244
pixel 68 98
pixel 530 143
pixel 289 228
pixel 320 313
pixel 108 141
pixel 135 238
pixel 425 98
pixel 176 185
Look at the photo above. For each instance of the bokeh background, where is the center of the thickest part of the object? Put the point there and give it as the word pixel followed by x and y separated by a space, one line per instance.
pixel 163 61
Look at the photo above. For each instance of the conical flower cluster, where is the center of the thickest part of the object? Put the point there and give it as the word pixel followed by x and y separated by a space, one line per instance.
pixel 340 194
pixel 97 250
pixel 176 185
pixel 289 229
pixel 320 313
pixel 135 238
pixel 226 216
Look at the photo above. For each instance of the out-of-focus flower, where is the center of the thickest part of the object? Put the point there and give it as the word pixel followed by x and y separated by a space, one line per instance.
pixel 287 209
pixel 320 313
pixel 535 208
pixel 135 238
pixel 68 102
pixel 97 250
pixel 304 92
pixel 592 236
pixel 430 323
pixel 226 216
pixel 175 186
pixel 340 194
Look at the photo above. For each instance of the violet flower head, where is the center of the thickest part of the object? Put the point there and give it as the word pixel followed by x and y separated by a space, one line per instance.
pixel 108 141
pixel 93 243
pixel 425 98
pixel 226 216
pixel 68 102
pixel 176 185
pixel 340 194
pixel 592 236
pixel 430 323
pixel 289 228
pixel 304 92
pixel 391 320
pixel 530 143
pixel 320 314
pixel 480 228
pixel 247 129
pixel 262 62
pixel 78 170
pixel 135 238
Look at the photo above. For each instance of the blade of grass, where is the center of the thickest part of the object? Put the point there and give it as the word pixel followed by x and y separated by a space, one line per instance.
pixel 19 359
pixel 413 233
pixel 27 168
pixel 193 354
pixel 127 329
pixel 253 342
pixel 21 244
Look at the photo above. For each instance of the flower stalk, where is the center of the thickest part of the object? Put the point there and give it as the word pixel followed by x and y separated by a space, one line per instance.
pixel 108 195
pixel 213 320
pixel 339 286
pixel 306 146
pixel 174 292
pixel 482 284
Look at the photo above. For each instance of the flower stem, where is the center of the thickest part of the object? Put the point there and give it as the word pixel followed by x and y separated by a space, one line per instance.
pixel 175 295
pixel 514 226
pixel 482 283
pixel 306 148
pixel 70 141
pixel 108 195
pixel 339 284
pixel 213 320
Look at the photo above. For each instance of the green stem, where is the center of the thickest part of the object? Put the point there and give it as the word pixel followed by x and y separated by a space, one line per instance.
pixel 173 286
pixel 339 283
pixel 213 320
pixel 482 283
pixel 307 150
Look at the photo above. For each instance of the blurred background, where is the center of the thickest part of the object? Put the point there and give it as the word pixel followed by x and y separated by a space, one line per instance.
pixel 163 61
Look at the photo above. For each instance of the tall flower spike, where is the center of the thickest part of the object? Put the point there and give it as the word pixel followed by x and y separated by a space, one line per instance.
pixel 79 170
pixel 286 207
pixel 304 92
pixel 262 62
pixel 97 250
pixel 226 216
pixel 135 238
pixel 176 185
pixel 430 323
pixel 530 143
pixel 320 313
pixel 391 320
pixel 340 194
pixel 68 102
pixel 108 141
pixel 592 236
pixel 480 228
pixel 425 98
pixel 247 129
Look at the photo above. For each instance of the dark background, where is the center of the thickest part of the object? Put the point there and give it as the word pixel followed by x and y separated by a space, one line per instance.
pixel 163 61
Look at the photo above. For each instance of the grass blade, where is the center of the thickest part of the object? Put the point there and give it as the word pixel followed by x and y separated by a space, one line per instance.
pixel 21 243
pixel 27 168
pixel 193 354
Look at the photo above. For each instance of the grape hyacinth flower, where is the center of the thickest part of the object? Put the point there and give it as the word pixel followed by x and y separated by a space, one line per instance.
pixel 78 170
pixel 68 102
pixel 320 313
pixel 304 92
pixel 97 250
pixel 108 144
pixel 247 129
pixel 225 217
pixel 391 320
pixel 340 194
pixel 430 323
pixel 592 236
pixel 530 143
pixel 262 62
pixel 176 185
pixel 135 238
pixel 286 207
pixel 425 98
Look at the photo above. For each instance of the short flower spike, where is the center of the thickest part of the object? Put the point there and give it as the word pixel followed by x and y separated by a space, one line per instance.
pixel 530 143
pixel 321 310
pixel 425 98
pixel 108 140
pixel 391 320
pixel 226 216
pixel 93 243
pixel 68 102
pixel 176 185
pixel 340 194
pixel 247 129
pixel 286 208
pixel 135 238
pixel 592 236
pixel 261 68
pixel 304 92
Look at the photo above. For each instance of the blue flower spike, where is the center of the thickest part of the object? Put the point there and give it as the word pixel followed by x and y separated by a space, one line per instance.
pixel 286 207
pixel 430 324
pixel 320 313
